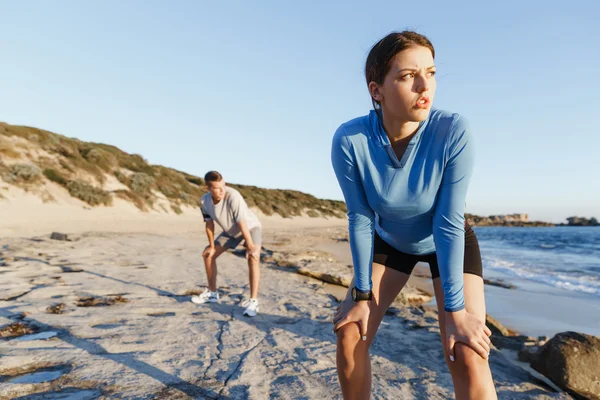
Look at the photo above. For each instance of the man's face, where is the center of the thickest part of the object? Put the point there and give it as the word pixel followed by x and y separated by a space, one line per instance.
pixel 217 190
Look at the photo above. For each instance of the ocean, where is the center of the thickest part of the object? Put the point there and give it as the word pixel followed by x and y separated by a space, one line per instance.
pixel 561 257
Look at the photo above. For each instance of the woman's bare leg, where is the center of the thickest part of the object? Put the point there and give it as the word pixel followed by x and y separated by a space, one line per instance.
pixel 471 374
pixel 353 361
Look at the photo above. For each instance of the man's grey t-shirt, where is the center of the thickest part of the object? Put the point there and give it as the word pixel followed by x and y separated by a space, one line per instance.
pixel 228 212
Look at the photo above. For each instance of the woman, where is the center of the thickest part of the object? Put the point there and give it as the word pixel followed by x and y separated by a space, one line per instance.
pixel 404 171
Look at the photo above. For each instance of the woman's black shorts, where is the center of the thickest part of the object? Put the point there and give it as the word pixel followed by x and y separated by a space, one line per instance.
pixel 390 257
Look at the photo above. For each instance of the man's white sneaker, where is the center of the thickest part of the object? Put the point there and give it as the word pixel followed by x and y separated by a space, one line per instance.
pixel 251 307
pixel 206 297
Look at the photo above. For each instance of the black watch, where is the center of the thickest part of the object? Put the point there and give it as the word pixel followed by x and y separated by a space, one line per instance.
pixel 358 295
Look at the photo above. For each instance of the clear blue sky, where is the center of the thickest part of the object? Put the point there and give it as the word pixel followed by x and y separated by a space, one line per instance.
pixel 255 89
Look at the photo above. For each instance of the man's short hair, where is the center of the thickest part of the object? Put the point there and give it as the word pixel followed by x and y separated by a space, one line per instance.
pixel 212 176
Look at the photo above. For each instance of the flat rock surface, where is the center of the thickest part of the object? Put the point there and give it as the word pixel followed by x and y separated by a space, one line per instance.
pixel 146 340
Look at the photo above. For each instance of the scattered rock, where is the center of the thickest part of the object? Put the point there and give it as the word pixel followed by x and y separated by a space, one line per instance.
pixel 504 338
pixel 572 361
pixel 161 314
pixel 70 269
pixel 542 340
pixel 97 301
pixel 56 308
pixel 129 263
pixel 413 296
pixel 496 327
pixel 17 329
pixel 324 277
pixel 514 342
pixel 107 326
pixel 530 348
pixel 59 236
pixel 528 354
pixel 286 264
pixel 500 283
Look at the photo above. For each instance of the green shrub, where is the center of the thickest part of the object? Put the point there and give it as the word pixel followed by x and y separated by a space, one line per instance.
pixel 176 209
pixel 136 199
pixel 141 182
pixel 92 195
pixel 136 163
pixel 313 214
pixel 55 176
pixel 121 177
pixel 22 173
pixel 98 157
pixel 195 180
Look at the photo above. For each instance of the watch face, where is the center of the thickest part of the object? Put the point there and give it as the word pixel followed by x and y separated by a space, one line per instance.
pixel 360 296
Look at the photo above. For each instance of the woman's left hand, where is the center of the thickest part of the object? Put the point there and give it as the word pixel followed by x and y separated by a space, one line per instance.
pixel 464 327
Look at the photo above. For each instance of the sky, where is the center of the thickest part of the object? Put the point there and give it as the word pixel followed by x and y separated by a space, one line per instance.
pixel 256 89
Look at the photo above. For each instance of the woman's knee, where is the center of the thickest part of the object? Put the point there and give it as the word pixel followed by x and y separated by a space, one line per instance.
pixel 467 362
pixel 348 336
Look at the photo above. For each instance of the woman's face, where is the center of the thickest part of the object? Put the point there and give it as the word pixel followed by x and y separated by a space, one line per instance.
pixel 409 86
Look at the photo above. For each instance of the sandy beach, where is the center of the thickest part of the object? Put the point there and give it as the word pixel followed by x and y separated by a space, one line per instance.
pixel 108 314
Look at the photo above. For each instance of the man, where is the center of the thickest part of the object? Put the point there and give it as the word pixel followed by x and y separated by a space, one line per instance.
pixel 226 207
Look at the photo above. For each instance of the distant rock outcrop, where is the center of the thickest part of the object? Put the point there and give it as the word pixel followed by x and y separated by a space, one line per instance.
pixel 504 220
pixel 572 361
pixel 579 221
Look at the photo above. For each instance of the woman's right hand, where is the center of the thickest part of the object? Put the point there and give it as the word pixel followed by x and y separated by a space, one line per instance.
pixel 350 311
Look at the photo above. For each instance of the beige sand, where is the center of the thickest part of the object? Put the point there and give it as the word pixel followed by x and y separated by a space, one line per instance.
pixel 23 214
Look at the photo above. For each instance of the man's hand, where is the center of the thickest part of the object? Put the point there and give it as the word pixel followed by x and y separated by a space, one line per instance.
pixel 253 250
pixel 209 251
